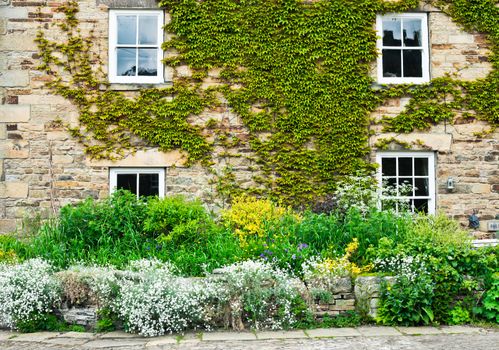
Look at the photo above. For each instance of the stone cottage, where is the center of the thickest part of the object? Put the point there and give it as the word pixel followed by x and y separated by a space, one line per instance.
pixel 43 166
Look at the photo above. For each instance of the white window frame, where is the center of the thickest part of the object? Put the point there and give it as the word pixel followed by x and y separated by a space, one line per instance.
pixel 425 57
pixel 431 175
pixel 113 45
pixel 113 178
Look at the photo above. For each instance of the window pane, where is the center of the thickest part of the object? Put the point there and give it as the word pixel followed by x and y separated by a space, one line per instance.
pixel 391 32
pixel 421 166
pixel 405 166
pixel 390 186
pixel 412 63
pixel 391 63
pixel 405 186
pixel 421 205
pixel 147 62
pixel 148 30
pixel 412 32
pixel 126 62
pixel 422 188
pixel 127 30
pixel 388 166
pixel 127 182
pixel 149 184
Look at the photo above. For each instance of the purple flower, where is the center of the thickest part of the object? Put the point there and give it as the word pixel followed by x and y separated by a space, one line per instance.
pixel 302 246
pixel 293 257
pixel 262 255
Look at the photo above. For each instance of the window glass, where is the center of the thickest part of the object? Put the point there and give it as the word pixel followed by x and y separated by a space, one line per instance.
pixel 412 63
pixel 140 181
pixel 404 48
pixel 148 30
pixel 391 32
pixel 149 184
pixel 406 181
pixel 421 166
pixel 148 62
pixel 389 166
pixel 135 46
pixel 127 30
pixel 126 62
pixel 412 32
pixel 405 166
pixel 127 182
pixel 392 63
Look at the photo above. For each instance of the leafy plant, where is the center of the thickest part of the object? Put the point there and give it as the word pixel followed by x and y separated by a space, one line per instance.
pixel 489 308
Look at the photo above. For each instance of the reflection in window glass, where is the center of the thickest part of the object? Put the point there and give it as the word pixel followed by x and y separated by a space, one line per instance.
pixel 127 30
pixel 148 30
pixel 391 32
pixel 412 32
pixel 126 62
pixel 148 62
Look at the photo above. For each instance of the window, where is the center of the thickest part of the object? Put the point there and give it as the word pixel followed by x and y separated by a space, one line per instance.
pixel 407 177
pixel 142 182
pixel 135 53
pixel 403 43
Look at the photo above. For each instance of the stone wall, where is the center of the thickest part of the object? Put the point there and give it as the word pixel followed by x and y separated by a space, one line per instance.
pixel 43 168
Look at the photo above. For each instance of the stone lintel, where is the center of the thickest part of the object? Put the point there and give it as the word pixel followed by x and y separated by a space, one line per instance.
pixel 147 158
pixel 440 142
pixel 150 4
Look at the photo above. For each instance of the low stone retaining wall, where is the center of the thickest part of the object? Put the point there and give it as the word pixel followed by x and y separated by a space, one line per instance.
pixel 345 294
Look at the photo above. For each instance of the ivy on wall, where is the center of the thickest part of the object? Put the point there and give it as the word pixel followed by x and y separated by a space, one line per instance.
pixel 296 72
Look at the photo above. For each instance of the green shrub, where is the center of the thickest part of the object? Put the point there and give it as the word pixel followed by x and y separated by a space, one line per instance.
pixel 176 219
pixel 489 308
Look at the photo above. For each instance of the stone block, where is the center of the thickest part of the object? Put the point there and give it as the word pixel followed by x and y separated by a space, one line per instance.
pixel 13 190
pixel 13 149
pixel 14 78
pixel 83 316
pixel 480 188
pixel 14 113
pixel 7 225
pixel 62 159
pixel 3 131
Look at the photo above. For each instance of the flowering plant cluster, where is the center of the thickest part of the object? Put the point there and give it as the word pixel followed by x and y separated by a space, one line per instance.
pixel 153 301
pixel 263 293
pixel 324 271
pixel 248 216
pixel 27 291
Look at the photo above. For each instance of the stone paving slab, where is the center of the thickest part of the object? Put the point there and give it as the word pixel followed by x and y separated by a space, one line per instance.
pixel 114 343
pixel 378 331
pixel 419 330
pixel 78 335
pixel 118 335
pixel 163 340
pixel 281 335
pixel 461 330
pixel 225 336
pixel 6 335
pixel 66 341
pixel 34 337
pixel 333 332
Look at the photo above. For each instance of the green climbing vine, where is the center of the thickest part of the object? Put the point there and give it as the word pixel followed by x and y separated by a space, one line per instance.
pixel 297 73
